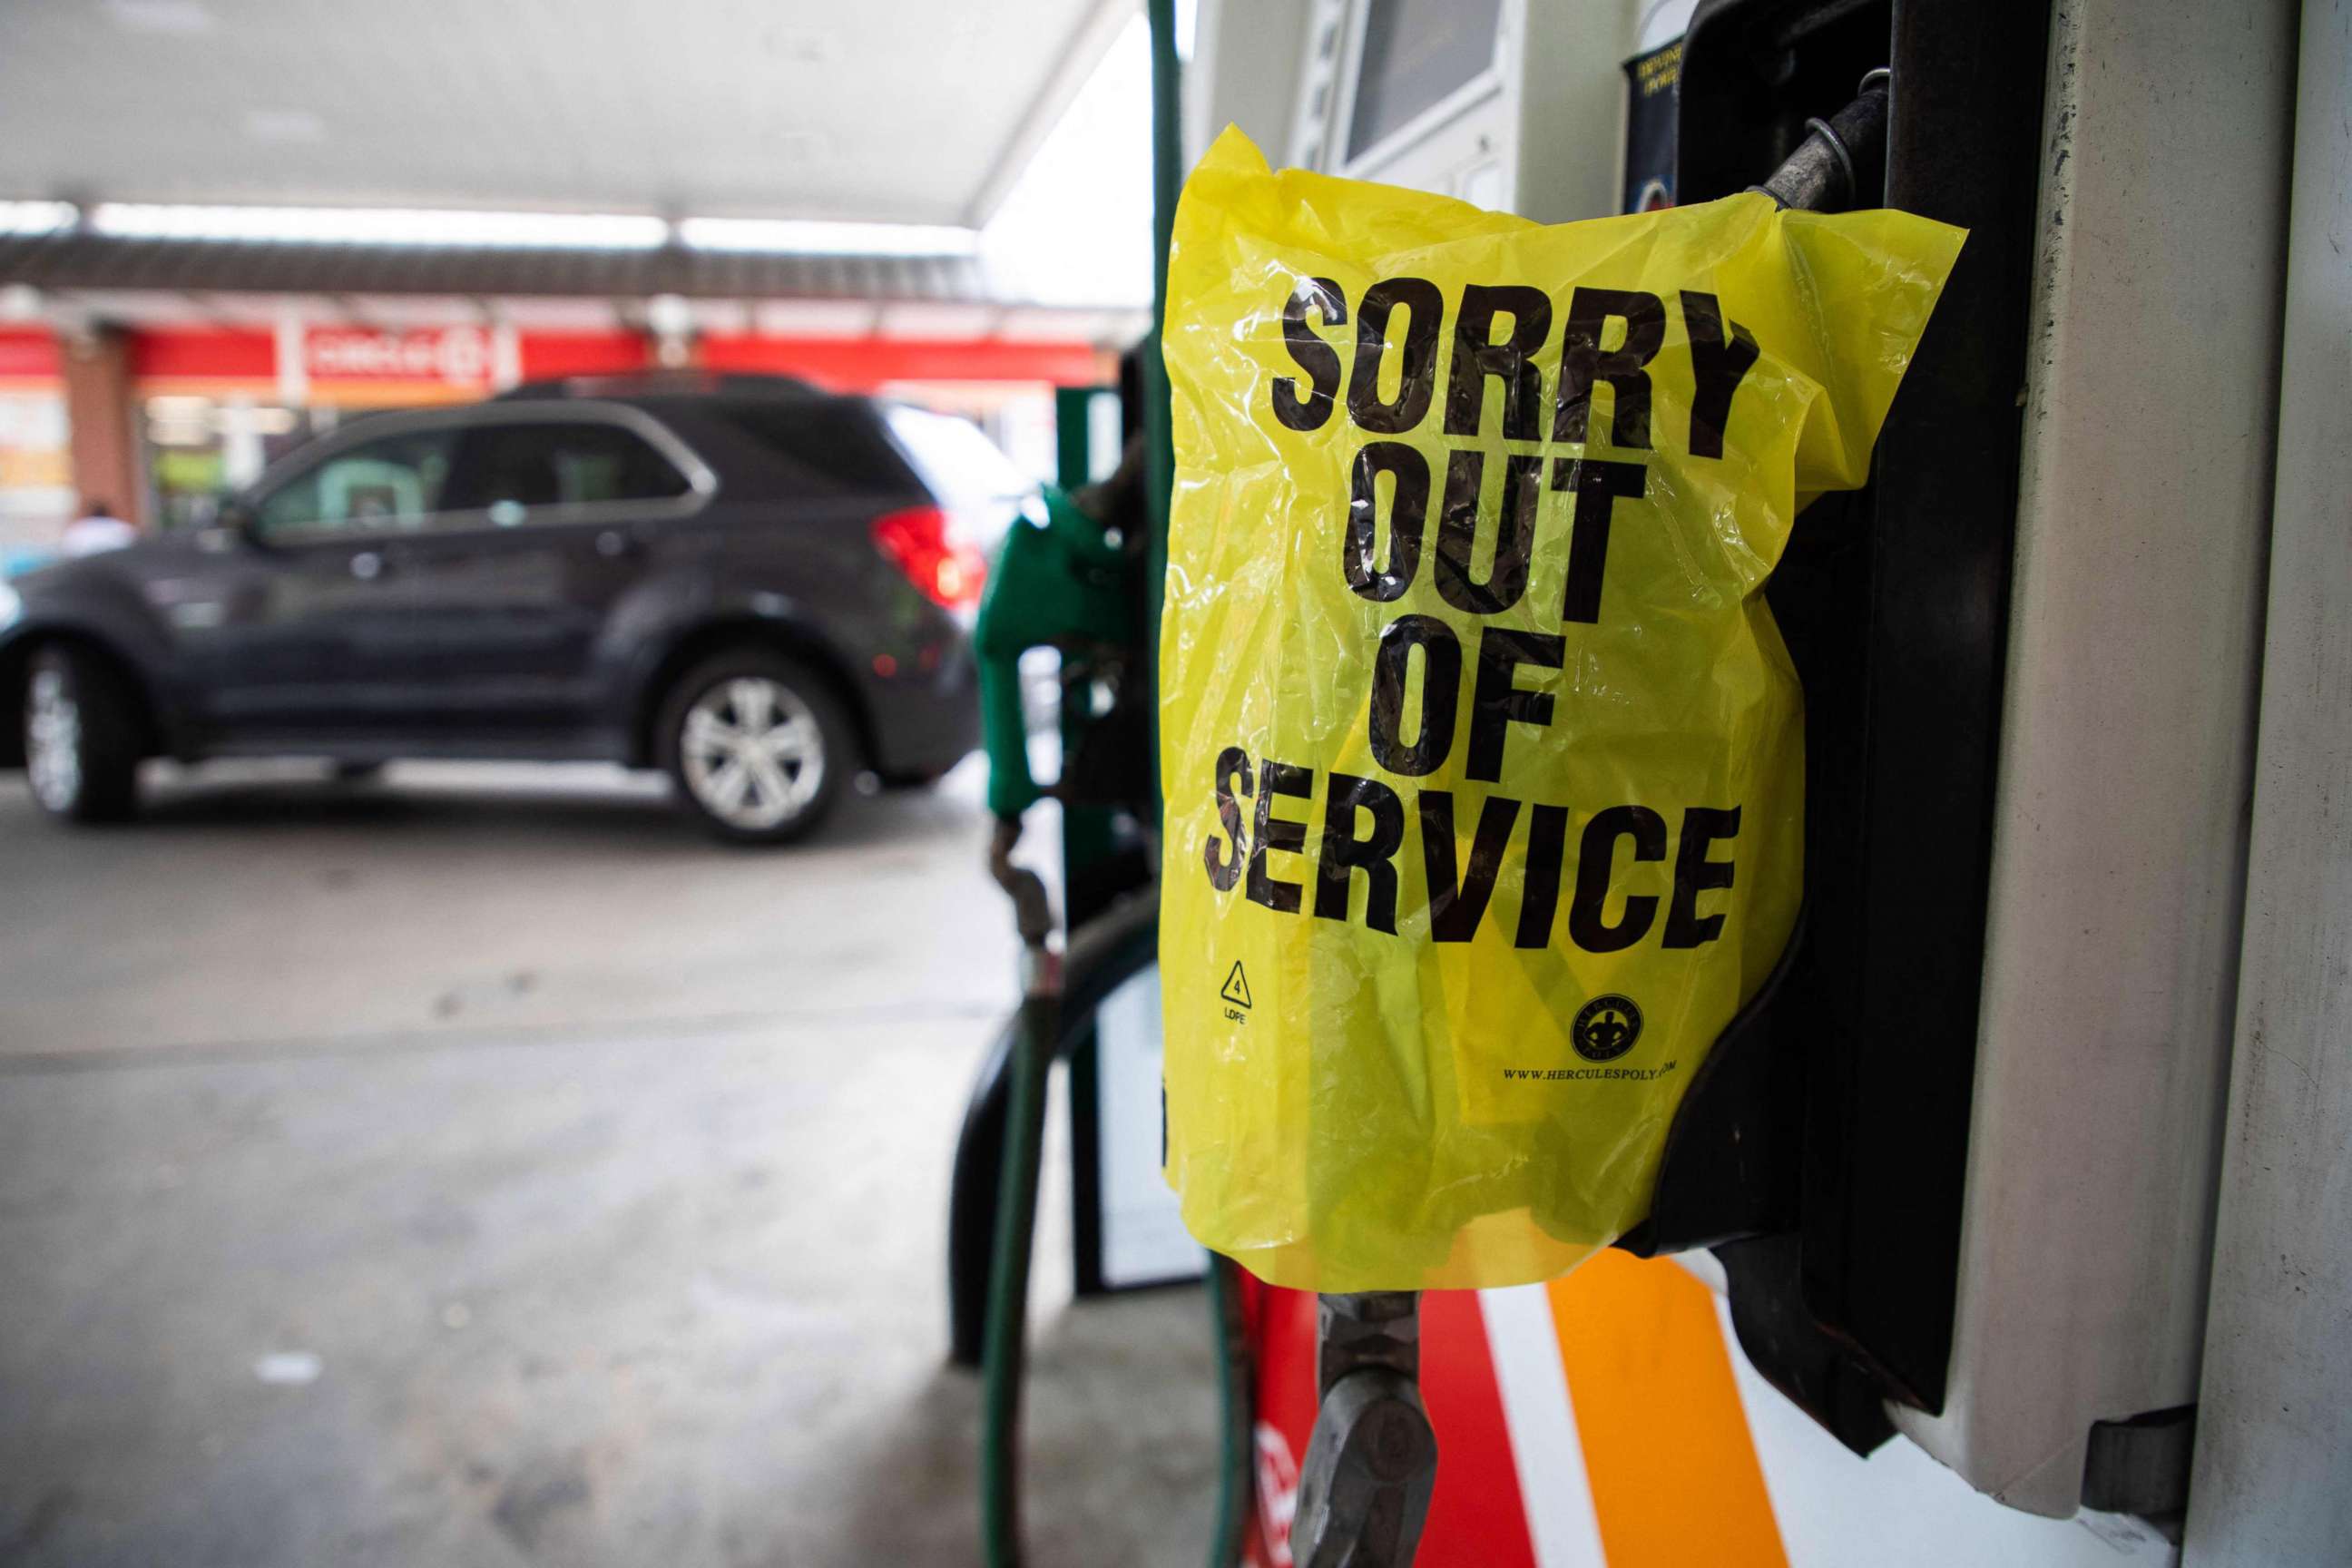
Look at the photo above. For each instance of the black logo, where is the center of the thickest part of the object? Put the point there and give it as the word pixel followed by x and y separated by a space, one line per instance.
pixel 1606 1028
pixel 1236 989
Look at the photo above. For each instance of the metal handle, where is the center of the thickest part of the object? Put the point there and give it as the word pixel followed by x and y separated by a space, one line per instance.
pixel 614 544
pixel 367 566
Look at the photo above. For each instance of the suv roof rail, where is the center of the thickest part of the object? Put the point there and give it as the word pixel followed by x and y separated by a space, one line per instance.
pixel 657 382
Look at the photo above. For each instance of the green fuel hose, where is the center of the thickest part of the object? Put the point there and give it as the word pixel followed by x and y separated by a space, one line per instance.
pixel 1004 1356
pixel 1236 1424
pixel 1058 1001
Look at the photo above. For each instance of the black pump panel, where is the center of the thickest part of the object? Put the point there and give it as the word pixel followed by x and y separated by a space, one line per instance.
pixel 1857 1072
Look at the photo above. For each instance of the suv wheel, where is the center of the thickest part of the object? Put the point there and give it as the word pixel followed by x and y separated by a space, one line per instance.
pixel 81 738
pixel 758 746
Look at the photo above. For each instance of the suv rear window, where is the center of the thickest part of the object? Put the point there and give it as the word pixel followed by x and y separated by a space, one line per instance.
pixel 557 464
pixel 833 438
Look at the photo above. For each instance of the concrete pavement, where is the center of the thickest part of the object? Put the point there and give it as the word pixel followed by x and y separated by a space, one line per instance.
pixel 481 1167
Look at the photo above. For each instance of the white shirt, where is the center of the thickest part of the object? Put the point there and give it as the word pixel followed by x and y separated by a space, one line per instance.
pixel 89 535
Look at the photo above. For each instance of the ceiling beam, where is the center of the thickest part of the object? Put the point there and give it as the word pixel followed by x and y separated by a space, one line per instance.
pixel 1090 42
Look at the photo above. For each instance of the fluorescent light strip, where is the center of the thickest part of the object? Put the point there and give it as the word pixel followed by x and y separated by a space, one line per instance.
pixel 35 217
pixel 504 230
pixel 381 226
pixel 799 236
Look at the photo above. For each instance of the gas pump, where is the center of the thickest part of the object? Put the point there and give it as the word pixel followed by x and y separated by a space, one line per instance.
pixel 1952 1178
pixel 1941 1207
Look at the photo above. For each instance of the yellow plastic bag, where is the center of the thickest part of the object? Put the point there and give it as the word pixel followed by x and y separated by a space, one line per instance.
pixel 1483 757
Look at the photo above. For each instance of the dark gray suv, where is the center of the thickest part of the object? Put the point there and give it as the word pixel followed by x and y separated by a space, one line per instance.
pixel 762 588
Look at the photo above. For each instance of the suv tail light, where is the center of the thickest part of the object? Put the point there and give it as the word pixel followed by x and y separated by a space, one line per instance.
pixel 925 543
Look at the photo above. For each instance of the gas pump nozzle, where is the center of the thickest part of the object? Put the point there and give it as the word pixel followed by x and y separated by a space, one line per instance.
pixel 1819 177
pixel 1372 1461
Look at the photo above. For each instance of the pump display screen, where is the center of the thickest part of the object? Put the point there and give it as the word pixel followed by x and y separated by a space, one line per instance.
pixel 1415 53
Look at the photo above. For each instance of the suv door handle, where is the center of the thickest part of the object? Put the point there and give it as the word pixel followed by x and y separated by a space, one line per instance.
pixel 614 545
pixel 368 565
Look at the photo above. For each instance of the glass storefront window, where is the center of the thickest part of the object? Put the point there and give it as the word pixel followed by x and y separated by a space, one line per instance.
pixel 36 498
pixel 199 448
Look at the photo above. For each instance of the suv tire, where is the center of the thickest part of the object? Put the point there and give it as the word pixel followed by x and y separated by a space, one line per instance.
pixel 757 744
pixel 81 736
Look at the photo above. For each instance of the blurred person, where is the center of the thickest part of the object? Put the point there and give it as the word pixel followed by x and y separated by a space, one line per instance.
pixel 96 529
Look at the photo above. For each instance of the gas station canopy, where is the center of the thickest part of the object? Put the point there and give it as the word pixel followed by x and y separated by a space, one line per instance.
pixel 727 151
pixel 893 111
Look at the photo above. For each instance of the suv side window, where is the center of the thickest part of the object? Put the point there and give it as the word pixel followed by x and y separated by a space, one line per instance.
pixel 390 485
pixel 512 471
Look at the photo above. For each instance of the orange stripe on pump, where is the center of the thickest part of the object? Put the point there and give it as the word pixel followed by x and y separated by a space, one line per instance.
pixel 1667 1447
